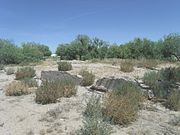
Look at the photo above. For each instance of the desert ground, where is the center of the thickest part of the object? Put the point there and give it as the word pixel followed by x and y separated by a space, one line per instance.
pixel 21 115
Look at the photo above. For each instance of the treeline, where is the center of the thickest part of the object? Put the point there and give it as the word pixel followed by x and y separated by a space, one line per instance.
pixel 28 52
pixel 84 48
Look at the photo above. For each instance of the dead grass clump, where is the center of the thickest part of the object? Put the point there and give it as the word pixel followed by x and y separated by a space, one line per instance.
pixel 88 78
pixel 17 88
pixel 127 66
pixel 25 72
pixel 64 66
pixel 49 92
pixel 147 63
pixel 122 105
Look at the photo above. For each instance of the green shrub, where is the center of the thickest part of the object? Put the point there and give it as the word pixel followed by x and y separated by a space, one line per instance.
pixel 1 67
pixel 25 72
pixel 171 74
pixel 49 92
pixel 93 107
pixel 88 78
pixel 159 86
pixel 162 82
pixel 150 78
pixel 64 66
pixel 94 127
pixel 10 71
pixel 30 82
pixel 122 105
pixel 173 101
pixel 93 119
pixel 127 66
pixel 17 88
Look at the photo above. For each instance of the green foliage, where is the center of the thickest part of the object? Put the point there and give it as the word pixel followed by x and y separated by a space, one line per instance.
pixel 64 66
pixel 25 72
pixel 10 71
pixel 49 92
pixel 9 53
pixel 44 49
pixel 88 78
pixel 31 52
pixel 163 82
pixel 127 66
pixel 171 46
pixel 122 105
pixel 1 67
pixel 93 119
pixel 173 101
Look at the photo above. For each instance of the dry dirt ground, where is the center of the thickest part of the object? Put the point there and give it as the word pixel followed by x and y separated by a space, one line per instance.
pixel 22 116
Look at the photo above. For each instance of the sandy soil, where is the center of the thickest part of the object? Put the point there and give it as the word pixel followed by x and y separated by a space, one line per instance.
pixel 22 116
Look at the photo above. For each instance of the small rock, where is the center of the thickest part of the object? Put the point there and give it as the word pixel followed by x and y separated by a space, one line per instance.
pixel 1 124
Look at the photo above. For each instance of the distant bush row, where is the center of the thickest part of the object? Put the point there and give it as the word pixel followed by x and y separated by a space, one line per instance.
pixel 84 48
pixel 29 52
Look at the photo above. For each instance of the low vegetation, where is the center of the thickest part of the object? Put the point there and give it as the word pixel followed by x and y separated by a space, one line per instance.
pixel 88 78
pixel 163 84
pixel 122 105
pixel 1 66
pixel 85 48
pixel 127 66
pixel 25 72
pixel 27 53
pixel 17 88
pixel 173 101
pixel 30 82
pixel 10 71
pixel 147 63
pixel 64 66
pixel 93 123
pixel 49 92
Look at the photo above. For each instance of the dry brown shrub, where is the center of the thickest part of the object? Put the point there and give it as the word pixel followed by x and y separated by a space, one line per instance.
pixel 148 63
pixel 17 88
pixel 121 106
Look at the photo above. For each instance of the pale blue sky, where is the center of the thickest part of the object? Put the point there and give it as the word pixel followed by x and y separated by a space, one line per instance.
pixel 59 21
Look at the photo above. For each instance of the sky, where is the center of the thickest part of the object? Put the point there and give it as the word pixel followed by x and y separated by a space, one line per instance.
pixel 52 22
